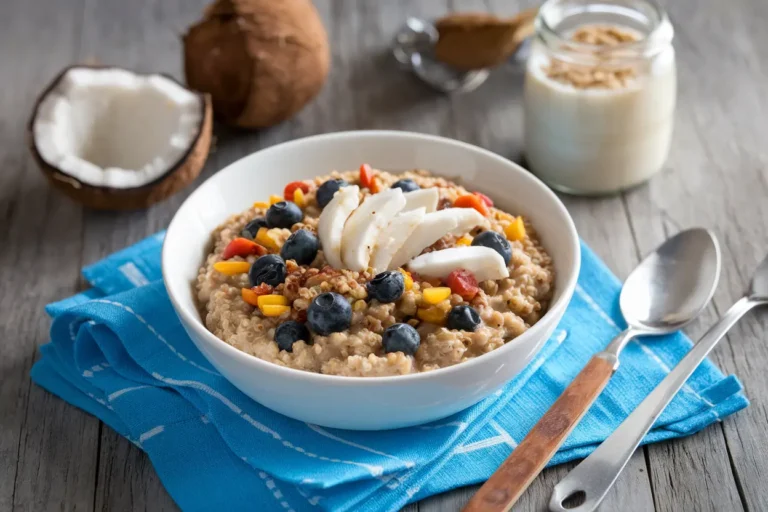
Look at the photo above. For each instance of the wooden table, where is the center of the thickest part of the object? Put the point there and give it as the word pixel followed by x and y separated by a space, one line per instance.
pixel 53 456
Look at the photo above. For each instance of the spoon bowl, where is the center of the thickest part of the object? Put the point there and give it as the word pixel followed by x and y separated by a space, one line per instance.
pixel 673 284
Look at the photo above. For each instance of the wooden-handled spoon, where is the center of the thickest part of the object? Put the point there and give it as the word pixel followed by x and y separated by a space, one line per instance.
pixel 669 288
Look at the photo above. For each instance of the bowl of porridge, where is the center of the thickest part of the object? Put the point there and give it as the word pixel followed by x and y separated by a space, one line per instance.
pixel 370 280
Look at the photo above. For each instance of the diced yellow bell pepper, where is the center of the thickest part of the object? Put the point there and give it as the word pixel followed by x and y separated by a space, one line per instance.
pixel 275 199
pixel 232 268
pixel 272 300
pixel 274 310
pixel 431 315
pixel 298 198
pixel 408 279
pixel 516 230
pixel 264 239
pixel 260 204
pixel 464 241
pixel 436 295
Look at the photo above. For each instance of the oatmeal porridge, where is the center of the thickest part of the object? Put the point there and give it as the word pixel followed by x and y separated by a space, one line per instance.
pixel 370 273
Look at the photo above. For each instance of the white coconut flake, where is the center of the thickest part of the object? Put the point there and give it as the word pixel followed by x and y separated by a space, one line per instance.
pixel 113 128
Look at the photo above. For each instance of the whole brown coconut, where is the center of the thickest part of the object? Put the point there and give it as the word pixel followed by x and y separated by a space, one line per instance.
pixel 260 60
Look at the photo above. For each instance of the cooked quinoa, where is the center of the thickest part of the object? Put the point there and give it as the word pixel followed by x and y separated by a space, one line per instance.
pixel 507 307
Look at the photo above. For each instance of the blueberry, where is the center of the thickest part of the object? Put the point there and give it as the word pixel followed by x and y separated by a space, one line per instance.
pixel 406 185
pixel 496 242
pixel 401 338
pixel 326 191
pixel 301 246
pixel 283 215
pixel 290 332
pixel 463 318
pixel 329 312
pixel 269 269
pixel 250 229
pixel 386 286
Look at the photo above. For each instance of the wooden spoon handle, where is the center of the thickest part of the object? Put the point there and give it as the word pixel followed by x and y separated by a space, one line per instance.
pixel 513 477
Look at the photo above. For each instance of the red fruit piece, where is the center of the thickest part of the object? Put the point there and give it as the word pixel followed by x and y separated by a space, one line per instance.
pixel 366 177
pixel 487 200
pixel 262 289
pixel 462 282
pixel 291 188
pixel 242 247
pixel 472 201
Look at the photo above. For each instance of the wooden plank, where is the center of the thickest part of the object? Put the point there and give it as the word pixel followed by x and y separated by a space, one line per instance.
pixel 47 448
pixel 384 96
pixel 713 179
pixel 126 480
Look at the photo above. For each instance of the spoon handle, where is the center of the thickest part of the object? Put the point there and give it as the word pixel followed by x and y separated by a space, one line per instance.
pixel 514 476
pixel 596 474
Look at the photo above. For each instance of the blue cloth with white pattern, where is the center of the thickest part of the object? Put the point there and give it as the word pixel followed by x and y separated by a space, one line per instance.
pixel 119 352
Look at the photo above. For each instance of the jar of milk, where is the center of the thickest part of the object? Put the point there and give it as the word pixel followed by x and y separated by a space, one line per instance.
pixel 600 91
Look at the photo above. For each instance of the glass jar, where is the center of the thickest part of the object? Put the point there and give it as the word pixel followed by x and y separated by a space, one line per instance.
pixel 600 91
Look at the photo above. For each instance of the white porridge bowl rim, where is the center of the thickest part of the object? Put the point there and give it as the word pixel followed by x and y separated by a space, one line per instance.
pixel 557 308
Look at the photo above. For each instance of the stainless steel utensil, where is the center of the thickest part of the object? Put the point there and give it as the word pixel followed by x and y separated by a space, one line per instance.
pixel 596 474
pixel 669 288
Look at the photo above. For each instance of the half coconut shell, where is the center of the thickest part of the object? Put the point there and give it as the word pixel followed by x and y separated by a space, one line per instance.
pixel 85 136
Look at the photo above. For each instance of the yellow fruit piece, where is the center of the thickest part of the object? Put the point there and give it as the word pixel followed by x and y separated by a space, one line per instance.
pixel 275 199
pixel 232 268
pixel 516 230
pixel 260 204
pixel 431 315
pixel 298 198
pixel 436 295
pixel 264 239
pixel 464 241
pixel 408 279
pixel 274 310
pixel 272 300
pixel 504 216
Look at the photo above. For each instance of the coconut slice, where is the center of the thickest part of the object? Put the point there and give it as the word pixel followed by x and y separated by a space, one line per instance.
pixel 394 236
pixel 423 198
pixel 433 227
pixel 483 262
pixel 331 224
pixel 114 139
pixel 365 224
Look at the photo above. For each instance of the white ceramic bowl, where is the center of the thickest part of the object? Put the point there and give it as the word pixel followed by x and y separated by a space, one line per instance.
pixel 380 402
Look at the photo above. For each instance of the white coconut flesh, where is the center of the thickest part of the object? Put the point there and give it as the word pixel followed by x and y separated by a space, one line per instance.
pixel 112 128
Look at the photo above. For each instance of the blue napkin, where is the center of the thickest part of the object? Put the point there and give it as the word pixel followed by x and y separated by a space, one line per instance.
pixel 119 352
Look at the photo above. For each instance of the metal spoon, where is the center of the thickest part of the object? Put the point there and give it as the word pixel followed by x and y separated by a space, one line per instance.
pixel 596 474
pixel 667 290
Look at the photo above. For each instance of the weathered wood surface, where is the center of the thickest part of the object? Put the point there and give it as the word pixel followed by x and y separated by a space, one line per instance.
pixel 53 456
